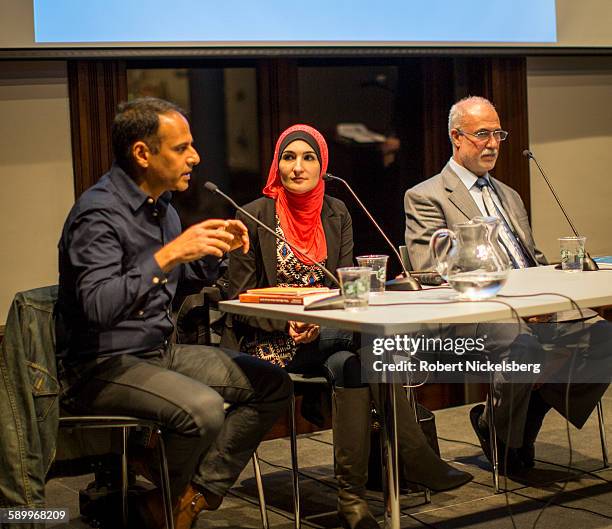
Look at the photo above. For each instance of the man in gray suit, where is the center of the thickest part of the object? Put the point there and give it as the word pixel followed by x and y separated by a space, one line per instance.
pixel 453 196
pixel 457 194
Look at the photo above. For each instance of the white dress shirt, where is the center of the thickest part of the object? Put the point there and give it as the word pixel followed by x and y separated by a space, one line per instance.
pixel 469 181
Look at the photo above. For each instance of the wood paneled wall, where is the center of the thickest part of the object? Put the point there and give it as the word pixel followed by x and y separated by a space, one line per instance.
pixel 427 87
pixel 277 87
pixel 95 88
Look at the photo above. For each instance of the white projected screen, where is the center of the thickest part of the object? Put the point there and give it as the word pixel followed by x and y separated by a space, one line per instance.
pixel 239 22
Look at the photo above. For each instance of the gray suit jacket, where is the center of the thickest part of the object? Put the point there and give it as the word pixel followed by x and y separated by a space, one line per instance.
pixel 443 201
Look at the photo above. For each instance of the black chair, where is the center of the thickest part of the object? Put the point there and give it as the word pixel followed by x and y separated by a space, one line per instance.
pixel 124 424
pixel 403 251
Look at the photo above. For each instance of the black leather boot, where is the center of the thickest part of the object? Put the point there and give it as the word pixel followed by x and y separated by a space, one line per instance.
pixel 421 464
pixel 351 429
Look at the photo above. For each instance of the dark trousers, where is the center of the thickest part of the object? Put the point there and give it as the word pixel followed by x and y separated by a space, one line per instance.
pixel 577 351
pixel 330 354
pixel 184 389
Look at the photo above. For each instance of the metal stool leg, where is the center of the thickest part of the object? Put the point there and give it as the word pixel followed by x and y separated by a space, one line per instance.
pixel 412 400
pixel 294 463
pixel 602 434
pixel 260 492
pixel 124 477
pixel 493 439
pixel 165 483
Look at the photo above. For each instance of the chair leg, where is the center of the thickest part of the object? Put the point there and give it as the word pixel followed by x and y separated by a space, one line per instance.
pixel 260 492
pixel 165 482
pixel 124 477
pixel 493 439
pixel 602 434
pixel 413 402
pixel 294 463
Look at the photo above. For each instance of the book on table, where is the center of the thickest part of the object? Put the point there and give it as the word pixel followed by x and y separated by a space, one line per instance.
pixel 287 295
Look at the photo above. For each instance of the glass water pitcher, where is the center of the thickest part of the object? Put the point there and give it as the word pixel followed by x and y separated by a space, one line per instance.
pixel 472 260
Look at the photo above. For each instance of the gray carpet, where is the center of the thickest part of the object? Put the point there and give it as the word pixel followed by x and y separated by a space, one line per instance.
pixel 583 501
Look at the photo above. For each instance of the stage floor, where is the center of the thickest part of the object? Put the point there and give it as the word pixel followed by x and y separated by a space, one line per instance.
pixel 584 501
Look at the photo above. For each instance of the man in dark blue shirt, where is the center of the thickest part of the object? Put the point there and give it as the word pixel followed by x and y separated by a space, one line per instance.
pixel 121 257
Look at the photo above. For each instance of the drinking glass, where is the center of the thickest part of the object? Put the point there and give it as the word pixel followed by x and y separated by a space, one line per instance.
pixel 378 264
pixel 355 286
pixel 572 253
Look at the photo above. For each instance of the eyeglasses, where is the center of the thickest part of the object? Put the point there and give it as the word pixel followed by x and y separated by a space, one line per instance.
pixel 484 135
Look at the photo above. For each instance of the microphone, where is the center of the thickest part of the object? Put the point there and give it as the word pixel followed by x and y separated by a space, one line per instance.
pixel 337 303
pixel 405 283
pixel 588 263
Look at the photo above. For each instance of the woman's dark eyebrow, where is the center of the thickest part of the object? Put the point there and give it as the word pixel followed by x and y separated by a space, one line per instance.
pixel 293 152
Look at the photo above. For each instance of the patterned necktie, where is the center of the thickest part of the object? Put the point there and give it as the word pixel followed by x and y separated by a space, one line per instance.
pixel 506 235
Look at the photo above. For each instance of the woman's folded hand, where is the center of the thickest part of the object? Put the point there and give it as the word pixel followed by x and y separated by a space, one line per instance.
pixel 303 332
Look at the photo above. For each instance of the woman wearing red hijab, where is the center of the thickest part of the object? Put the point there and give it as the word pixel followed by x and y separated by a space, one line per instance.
pixel 296 206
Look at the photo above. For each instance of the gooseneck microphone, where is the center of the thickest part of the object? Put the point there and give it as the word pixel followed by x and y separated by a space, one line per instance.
pixel 214 189
pixel 588 263
pixel 405 283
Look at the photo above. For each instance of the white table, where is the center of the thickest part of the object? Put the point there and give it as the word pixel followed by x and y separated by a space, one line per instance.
pixel 587 289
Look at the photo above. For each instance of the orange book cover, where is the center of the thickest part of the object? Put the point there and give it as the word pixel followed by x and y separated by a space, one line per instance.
pixel 256 298
pixel 287 291
pixel 286 295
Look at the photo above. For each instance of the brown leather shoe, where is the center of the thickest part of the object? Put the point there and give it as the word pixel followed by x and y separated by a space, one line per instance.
pixel 191 503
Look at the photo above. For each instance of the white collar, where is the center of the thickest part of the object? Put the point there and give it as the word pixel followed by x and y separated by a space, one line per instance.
pixel 465 175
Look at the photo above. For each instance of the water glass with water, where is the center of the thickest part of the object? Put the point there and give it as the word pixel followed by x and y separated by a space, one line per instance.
pixel 355 286
pixel 572 253
pixel 378 277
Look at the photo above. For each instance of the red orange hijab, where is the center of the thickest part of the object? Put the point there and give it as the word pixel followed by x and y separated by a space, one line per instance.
pixel 300 214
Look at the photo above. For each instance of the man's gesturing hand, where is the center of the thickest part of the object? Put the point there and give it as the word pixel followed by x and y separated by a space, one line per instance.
pixel 240 233
pixel 211 237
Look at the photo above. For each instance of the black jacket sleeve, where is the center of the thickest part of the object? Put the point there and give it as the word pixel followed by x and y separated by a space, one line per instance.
pixel 245 272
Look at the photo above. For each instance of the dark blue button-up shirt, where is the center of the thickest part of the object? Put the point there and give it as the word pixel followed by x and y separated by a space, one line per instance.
pixel 113 297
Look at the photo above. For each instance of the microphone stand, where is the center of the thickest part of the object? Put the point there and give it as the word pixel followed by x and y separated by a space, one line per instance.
pixel 214 189
pixel 405 283
pixel 332 302
pixel 588 265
